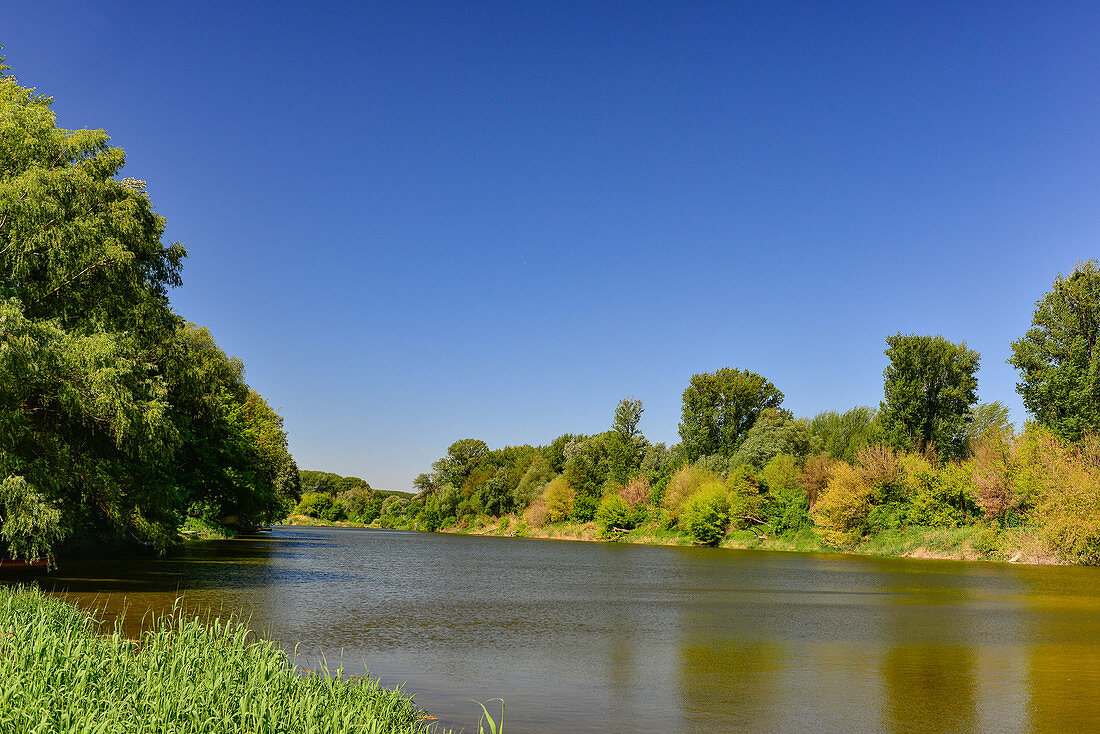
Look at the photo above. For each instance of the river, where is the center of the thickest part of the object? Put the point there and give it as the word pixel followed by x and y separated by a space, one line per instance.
pixel 590 637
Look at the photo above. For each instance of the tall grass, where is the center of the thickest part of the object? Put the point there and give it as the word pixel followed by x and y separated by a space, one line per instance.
pixel 62 672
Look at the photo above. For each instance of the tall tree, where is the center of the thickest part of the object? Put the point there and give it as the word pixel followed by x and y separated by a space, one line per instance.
pixel 110 405
pixel 930 386
pixel 1058 359
pixel 626 444
pixel 720 407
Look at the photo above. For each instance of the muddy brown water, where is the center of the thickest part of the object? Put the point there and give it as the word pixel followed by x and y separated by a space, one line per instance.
pixel 589 637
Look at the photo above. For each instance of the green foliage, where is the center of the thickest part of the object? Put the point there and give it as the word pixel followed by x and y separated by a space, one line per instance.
pixel 614 513
pixel 462 458
pixel 842 435
pixel 184 676
pixel 843 508
pixel 773 433
pixel 584 508
pixel 559 498
pixel 356 503
pixel 533 482
pixel 720 407
pixel 626 444
pixel 320 505
pixel 706 515
pixel 686 482
pixel 1058 359
pixel 116 416
pixel 930 387
pixel 788 508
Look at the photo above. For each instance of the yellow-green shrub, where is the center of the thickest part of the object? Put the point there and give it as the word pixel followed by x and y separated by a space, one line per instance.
pixel 683 484
pixel 842 509
pixel 706 515
pixel 559 497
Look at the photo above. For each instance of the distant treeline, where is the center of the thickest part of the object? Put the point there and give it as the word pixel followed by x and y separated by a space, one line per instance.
pixel 333 498
pixel 928 456
pixel 118 419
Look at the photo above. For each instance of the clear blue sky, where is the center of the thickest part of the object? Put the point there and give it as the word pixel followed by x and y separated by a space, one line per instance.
pixel 422 222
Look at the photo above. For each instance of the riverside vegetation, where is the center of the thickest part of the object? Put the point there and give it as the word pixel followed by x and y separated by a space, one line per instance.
pixel 184 675
pixel 928 472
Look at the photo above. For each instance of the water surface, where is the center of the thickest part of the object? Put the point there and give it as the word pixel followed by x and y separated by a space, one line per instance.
pixel 588 637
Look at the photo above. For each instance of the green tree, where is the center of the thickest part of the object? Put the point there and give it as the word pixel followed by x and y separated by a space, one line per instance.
pixel 774 433
pixel 463 457
pixel 626 444
pixel 720 407
pixel 930 386
pixel 1058 359
pixel 842 435
pixel 110 402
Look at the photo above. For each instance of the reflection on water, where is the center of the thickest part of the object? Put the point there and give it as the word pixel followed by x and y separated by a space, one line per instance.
pixel 584 637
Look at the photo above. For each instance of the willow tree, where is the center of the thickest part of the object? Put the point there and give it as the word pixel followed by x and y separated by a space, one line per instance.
pixel 98 378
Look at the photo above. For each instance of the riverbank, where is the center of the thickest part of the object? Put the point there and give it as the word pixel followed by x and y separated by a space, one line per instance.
pixel 64 672
pixel 967 543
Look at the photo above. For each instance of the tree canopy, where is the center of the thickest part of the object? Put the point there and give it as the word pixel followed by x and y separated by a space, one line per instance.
pixel 930 387
pixel 1058 359
pixel 720 407
pixel 117 417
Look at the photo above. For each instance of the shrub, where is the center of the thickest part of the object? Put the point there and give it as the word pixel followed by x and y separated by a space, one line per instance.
pixel 614 513
pixel 356 502
pixel 683 484
pixel 842 510
pixel 584 508
pixel 881 467
pixel 319 505
pixel 815 476
pixel 637 491
pixel 992 475
pixel 706 516
pixel 536 515
pixel 1066 494
pixel 559 497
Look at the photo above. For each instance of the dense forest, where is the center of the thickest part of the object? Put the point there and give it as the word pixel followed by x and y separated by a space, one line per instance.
pixel 119 420
pixel 929 456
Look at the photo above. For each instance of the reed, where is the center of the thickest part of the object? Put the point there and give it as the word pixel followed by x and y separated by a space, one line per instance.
pixel 63 672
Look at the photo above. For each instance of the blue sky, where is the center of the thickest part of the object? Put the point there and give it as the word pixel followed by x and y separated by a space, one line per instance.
pixel 418 222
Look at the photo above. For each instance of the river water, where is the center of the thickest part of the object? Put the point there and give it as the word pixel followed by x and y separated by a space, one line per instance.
pixel 589 637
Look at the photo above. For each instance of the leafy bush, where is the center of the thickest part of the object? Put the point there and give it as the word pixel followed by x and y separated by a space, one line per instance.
pixel 706 516
pixel 319 505
pixel 683 484
pixel 772 434
pixel 637 491
pixel 843 508
pixel 559 497
pixel 584 508
pixel 614 513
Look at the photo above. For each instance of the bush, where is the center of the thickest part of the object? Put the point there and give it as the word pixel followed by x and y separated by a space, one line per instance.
pixel 559 497
pixel 319 505
pixel 842 510
pixel 537 514
pixel 637 491
pixel 614 513
pixel 584 508
pixel 706 516
pixel 683 484
pixel 992 475
pixel 1065 491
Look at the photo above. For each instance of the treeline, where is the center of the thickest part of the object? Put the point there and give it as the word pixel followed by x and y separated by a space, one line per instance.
pixel 118 419
pixel 333 498
pixel 929 456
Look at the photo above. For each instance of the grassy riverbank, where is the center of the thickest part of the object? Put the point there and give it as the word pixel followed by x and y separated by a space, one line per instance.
pixel 967 543
pixel 63 672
